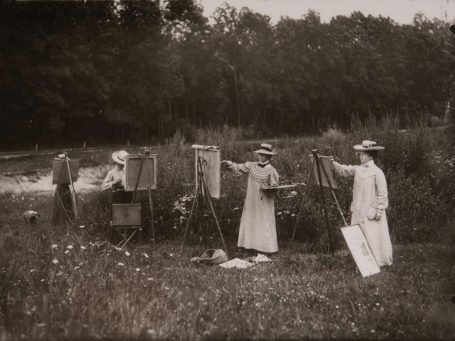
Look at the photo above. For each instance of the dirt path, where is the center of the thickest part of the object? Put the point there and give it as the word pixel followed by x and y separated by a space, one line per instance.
pixel 89 179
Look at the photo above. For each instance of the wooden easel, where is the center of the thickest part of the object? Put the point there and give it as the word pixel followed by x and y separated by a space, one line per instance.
pixel 58 202
pixel 126 237
pixel 201 195
pixel 320 170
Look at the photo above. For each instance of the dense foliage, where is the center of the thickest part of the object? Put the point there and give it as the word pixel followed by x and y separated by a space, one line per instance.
pixel 101 71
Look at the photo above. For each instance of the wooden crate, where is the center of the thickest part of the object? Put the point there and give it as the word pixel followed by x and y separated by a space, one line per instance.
pixel 126 215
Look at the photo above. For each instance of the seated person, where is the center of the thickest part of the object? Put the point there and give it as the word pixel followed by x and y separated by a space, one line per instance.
pixel 115 178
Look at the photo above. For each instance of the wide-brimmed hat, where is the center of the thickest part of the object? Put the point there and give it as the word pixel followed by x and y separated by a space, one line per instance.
pixel 368 145
pixel 119 156
pixel 266 149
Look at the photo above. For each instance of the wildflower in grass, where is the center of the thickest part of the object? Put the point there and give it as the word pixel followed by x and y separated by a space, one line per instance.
pixel 54 246
pixel 70 247
pixel 59 273
pixel 55 261
pixel 83 247
pixel 146 255
pixel 150 279
pixel 127 253
pixel 120 264
pixel 138 269
pixel 235 208
pixel 81 226
pixel 32 270
pixel 76 267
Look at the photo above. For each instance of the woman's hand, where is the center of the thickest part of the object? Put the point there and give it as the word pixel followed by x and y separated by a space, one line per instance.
pixel 226 163
pixel 379 214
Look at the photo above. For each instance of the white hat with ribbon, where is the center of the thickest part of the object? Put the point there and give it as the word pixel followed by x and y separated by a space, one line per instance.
pixel 266 149
pixel 368 145
pixel 119 156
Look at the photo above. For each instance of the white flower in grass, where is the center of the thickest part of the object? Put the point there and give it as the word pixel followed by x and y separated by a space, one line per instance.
pixel 279 213
pixel 59 274
pixel 69 247
pixel 83 247
pixel 76 267
pixel 67 251
pixel 120 264
pixel 55 261
pixel 150 279
pixel 146 255
pixel 235 208
pixel 32 270
pixel 81 226
pixel 54 246
pixel 138 269
pixel 127 253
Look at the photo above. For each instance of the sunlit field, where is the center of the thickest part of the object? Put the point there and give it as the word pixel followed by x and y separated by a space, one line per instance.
pixel 73 282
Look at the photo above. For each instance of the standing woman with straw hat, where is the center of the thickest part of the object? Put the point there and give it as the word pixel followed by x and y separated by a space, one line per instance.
pixel 257 226
pixel 370 200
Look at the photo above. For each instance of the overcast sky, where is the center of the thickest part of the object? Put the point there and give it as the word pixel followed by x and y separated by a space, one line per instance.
pixel 402 11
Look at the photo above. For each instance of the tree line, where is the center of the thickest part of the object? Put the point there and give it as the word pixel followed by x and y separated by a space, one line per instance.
pixel 105 72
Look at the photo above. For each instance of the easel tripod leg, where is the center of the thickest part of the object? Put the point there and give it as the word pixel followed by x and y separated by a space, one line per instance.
pixel 297 222
pixel 188 222
pixel 215 217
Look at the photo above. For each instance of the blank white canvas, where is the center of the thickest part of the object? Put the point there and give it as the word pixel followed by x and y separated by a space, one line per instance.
pixel 211 167
pixel 360 250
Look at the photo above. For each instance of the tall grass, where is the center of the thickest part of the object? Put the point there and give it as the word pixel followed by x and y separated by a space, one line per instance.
pixel 71 282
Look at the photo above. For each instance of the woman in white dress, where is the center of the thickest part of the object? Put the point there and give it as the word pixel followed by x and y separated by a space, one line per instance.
pixel 257 226
pixel 370 200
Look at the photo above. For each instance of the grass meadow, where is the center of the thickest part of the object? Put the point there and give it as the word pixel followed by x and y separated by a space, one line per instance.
pixel 72 282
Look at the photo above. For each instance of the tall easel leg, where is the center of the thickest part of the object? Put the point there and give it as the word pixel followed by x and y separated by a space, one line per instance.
pixel 329 231
pixel 188 221
pixel 214 216
pixel 297 222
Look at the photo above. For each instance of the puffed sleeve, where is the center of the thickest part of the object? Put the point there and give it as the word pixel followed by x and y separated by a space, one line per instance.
pixel 381 191
pixel 239 168
pixel 107 182
pixel 274 179
pixel 343 170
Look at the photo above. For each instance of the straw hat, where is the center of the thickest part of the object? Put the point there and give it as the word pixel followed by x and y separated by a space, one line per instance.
pixel 266 149
pixel 368 145
pixel 119 156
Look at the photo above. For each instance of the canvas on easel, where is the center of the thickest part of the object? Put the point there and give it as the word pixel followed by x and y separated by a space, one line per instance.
pixel 211 163
pixel 326 168
pixel 133 168
pixel 360 250
pixel 60 174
